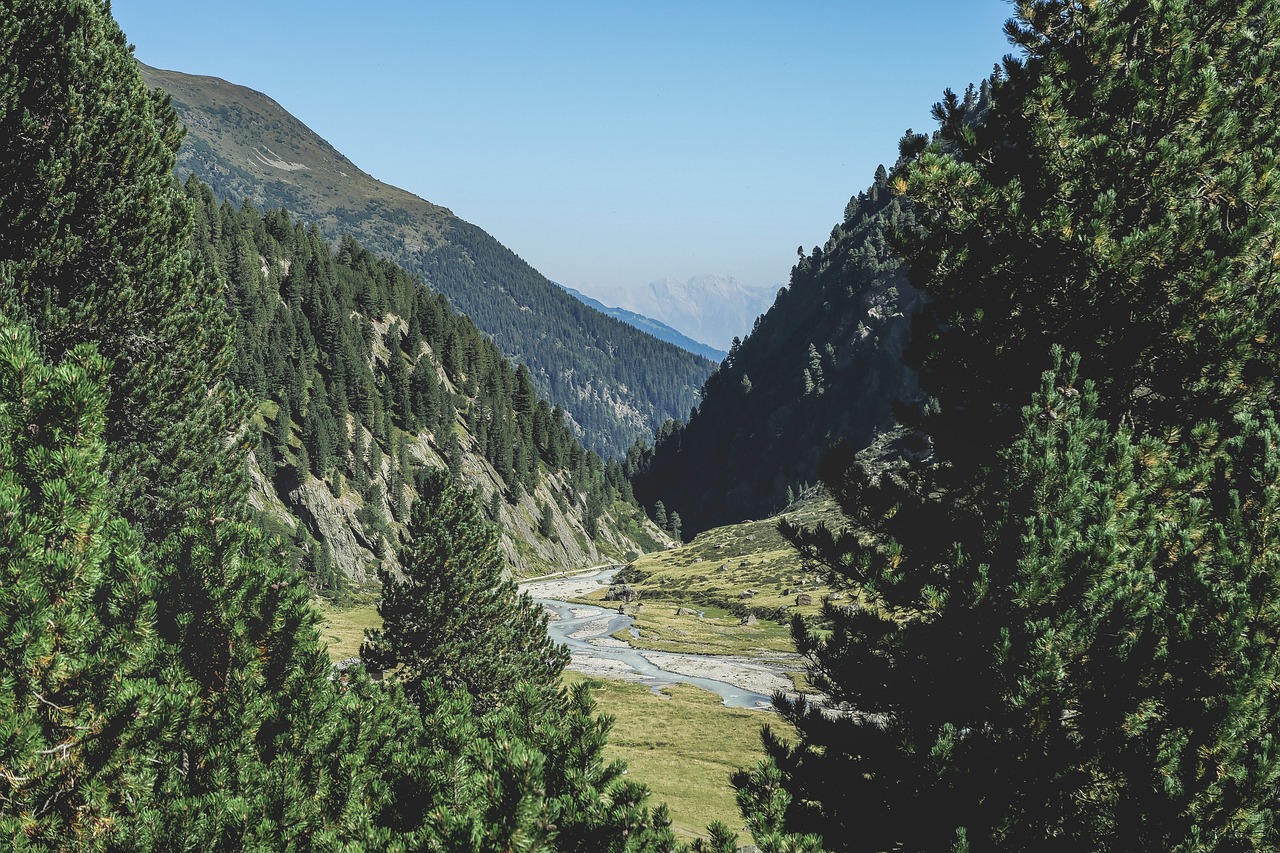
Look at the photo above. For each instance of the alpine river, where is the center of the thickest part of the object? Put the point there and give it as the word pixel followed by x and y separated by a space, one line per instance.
pixel 587 631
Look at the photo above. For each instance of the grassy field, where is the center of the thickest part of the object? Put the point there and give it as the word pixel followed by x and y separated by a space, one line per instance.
pixel 342 626
pixel 725 573
pixel 683 745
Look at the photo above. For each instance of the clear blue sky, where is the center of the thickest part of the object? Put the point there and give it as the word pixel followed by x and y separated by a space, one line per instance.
pixel 607 143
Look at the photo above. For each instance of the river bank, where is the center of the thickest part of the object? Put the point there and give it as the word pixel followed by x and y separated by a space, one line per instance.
pixel 591 634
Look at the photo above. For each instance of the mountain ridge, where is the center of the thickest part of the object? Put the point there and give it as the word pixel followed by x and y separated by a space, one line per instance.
pixel 823 365
pixel 711 308
pixel 614 382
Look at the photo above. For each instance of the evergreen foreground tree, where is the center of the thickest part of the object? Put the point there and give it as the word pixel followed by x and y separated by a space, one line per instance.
pixel 455 616
pixel 77 633
pixel 95 247
pixel 1067 616
pixel 162 684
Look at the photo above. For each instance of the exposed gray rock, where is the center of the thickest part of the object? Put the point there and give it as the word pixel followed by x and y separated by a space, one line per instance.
pixel 804 599
pixel 621 592
pixel 333 520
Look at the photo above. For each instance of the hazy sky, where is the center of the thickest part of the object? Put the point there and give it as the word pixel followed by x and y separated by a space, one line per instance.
pixel 607 143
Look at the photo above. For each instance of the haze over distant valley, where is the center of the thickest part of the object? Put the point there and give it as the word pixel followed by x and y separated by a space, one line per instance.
pixel 713 309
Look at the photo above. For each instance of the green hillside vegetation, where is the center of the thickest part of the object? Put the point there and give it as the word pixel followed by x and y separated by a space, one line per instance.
pixel 1061 606
pixel 613 382
pixel 823 365
pixel 1072 600
pixel 363 377
pixel 683 744
pixel 725 574
pixel 162 682
pixel 654 327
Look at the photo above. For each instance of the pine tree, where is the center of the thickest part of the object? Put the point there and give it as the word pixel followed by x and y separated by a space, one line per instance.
pixel 455 616
pixel 97 251
pixel 96 244
pixel 77 705
pixel 1068 609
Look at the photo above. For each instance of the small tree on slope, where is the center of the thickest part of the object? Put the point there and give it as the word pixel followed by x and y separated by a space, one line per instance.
pixel 455 616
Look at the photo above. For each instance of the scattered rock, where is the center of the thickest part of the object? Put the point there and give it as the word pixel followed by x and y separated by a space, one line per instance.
pixel 685 611
pixel 803 598
pixel 749 619
pixel 746 593
pixel 621 592
pixel 836 596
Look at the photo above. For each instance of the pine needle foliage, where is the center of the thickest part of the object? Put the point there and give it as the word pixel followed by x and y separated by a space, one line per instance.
pixel 1069 635
pixel 455 616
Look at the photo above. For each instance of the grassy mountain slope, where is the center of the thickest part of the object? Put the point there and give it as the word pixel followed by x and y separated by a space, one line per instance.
pixel 614 382
pixel 824 364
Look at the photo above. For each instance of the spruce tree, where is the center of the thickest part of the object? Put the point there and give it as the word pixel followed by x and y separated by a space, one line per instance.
pixel 454 616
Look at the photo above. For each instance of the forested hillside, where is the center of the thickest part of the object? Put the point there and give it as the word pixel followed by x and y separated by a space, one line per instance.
pixel 362 375
pixel 824 364
pixel 613 382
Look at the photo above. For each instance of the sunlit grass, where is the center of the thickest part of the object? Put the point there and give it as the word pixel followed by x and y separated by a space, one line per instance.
pixel 683 745
pixel 342 626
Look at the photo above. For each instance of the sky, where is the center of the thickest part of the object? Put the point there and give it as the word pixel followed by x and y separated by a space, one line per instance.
pixel 609 144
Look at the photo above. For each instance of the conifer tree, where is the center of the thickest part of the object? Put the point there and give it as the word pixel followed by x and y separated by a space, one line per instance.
pixel 455 616
pixel 95 247
pixel 77 634
pixel 1069 607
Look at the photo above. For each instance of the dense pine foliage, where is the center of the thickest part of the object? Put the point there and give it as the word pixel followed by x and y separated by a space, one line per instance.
pixel 452 613
pixel 162 685
pixel 1069 612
